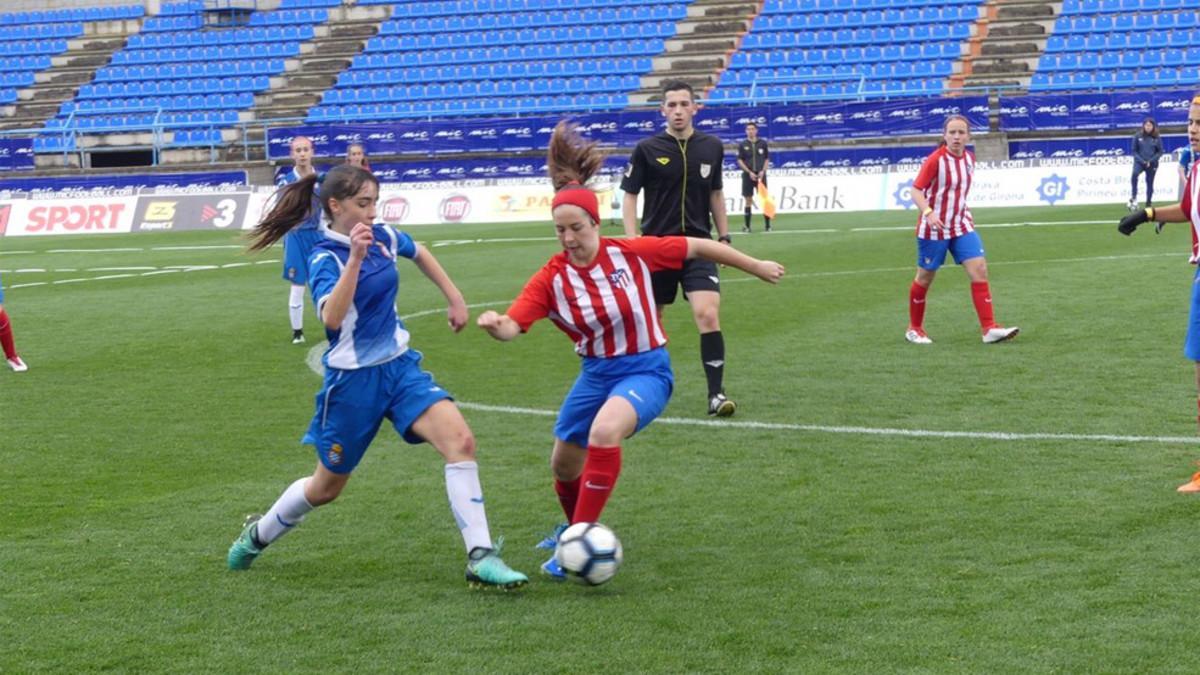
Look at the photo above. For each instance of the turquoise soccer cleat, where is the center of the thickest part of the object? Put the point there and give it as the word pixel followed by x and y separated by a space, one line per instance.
pixel 243 551
pixel 485 569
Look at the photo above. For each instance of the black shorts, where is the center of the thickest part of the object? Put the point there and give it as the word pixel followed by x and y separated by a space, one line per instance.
pixel 750 187
pixel 696 275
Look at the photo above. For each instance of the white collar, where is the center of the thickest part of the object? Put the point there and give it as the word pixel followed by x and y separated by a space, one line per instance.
pixel 336 236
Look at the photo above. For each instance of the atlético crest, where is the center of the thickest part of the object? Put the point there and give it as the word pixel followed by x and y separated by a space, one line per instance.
pixel 619 278
pixel 705 169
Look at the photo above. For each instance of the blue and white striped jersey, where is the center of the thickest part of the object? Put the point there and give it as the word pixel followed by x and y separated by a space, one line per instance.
pixel 372 332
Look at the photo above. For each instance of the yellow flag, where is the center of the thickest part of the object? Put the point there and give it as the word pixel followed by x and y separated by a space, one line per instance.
pixel 768 204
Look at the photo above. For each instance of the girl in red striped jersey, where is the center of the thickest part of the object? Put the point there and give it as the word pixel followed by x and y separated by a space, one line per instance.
pixel 946 226
pixel 598 291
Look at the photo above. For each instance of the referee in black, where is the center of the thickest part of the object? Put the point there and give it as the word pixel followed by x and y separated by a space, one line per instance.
pixel 753 158
pixel 680 172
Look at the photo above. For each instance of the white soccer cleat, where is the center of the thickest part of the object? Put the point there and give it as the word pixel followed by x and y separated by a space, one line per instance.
pixel 917 336
pixel 17 365
pixel 999 334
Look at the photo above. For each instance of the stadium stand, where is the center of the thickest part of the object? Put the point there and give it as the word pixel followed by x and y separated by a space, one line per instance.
pixel 458 57
pixel 834 49
pixel 111 77
pixel 1104 44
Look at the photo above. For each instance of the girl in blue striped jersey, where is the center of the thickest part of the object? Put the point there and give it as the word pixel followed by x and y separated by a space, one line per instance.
pixel 371 374
pixel 299 242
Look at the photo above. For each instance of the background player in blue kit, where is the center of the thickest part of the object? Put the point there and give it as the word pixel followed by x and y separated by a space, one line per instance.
pixel 370 372
pixel 6 339
pixel 299 242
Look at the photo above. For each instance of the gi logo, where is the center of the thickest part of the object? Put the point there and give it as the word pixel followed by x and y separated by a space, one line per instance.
pixel 334 455
pixel 619 278
pixel 1053 188
pixel 705 169
pixel 663 160
pixel 903 194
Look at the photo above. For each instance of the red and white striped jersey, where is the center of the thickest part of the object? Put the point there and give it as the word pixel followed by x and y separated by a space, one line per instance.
pixel 945 180
pixel 1191 209
pixel 606 308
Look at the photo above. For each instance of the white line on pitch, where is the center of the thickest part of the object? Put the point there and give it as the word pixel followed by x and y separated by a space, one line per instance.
pixel 94 250
pixel 861 431
pixel 1040 223
pixel 194 248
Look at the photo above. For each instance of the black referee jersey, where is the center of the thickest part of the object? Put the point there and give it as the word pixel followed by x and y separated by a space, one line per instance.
pixel 754 154
pixel 678 178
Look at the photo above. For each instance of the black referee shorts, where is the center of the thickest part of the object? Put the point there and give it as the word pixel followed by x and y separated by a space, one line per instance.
pixel 696 275
pixel 749 186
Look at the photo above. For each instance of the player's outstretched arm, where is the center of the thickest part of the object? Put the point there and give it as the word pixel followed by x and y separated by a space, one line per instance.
pixel 767 270
pixel 1166 214
pixel 499 326
pixel 456 310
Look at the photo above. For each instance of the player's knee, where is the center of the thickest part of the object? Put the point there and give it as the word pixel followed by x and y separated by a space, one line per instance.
pixel 708 319
pixel 320 495
pixel 459 446
pixel 606 433
pixel 564 469
pixel 978 272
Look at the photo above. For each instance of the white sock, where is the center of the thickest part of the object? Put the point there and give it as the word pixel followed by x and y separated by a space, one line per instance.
pixel 285 513
pixel 466 501
pixel 296 307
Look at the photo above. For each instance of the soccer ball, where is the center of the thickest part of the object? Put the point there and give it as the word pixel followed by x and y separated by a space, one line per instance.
pixel 589 553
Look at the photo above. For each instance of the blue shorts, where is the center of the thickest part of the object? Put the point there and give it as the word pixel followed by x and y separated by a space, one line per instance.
pixel 297 246
pixel 353 403
pixel 1191 344
pixel 931 253
pixel 645 380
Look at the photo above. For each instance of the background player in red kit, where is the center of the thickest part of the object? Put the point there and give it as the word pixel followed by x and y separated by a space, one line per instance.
pixel 946 226
pixel 6 340
pixel 599 292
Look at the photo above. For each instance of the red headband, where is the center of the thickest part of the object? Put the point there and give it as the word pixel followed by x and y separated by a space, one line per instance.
pixel 577 195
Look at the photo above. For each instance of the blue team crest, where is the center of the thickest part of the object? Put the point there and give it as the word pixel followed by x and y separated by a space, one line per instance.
pixel 619 278
pixel 335 454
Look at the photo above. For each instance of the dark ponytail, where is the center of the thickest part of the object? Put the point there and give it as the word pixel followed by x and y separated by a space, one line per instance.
pixel 570 158
pixel 293 205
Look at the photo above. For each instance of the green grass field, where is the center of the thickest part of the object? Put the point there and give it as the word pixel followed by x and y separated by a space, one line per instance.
pixel 807 534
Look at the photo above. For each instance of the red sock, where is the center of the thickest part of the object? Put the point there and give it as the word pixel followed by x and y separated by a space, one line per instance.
pixel 982 297
pixel 916 305
pixel 6 338
pixel 600 472
pixel 568 494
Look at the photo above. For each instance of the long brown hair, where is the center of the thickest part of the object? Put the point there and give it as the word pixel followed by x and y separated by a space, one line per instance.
pixel 294 203
pixel 571 159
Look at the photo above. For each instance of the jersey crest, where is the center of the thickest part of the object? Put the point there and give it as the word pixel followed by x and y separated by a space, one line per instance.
pixel 705 170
